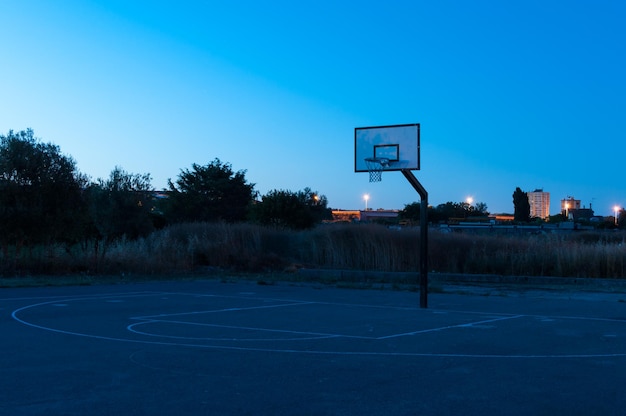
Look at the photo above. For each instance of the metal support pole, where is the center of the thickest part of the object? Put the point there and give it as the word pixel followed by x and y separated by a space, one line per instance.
pixel 423 235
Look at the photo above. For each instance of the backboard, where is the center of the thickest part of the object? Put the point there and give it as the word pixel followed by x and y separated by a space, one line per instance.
pixel 399 144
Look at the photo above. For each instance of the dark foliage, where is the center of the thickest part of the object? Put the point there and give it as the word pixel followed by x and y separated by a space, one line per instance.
pixel 122 205
pixel 210 193
pixel 297 210
pixel 40 192
pixel 521 206
pixel 444 212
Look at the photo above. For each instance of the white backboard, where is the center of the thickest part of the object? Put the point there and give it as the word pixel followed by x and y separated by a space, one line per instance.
pixel 400 144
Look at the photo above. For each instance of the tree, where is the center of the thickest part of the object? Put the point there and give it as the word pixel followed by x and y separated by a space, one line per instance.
pixel 298 210
pixel 412 212
pixel 481 209
pixel 317 204
pixel 444 212
pixel 621 219
pixel 40 192
pixel 210 193
pixel 556 218
pixel 521 206
pixel 122 205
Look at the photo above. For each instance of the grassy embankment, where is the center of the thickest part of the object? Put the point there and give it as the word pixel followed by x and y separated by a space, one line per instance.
pixel 192 249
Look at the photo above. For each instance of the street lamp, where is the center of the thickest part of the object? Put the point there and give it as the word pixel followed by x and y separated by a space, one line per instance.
pixel 469 200
pixel 566 211
pixel 366 197
pixel 616 210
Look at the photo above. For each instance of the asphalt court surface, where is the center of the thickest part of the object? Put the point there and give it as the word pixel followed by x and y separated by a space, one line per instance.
pixel 207 347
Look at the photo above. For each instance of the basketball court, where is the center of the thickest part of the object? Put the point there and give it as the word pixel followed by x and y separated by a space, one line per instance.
pixel 207 347
pixel 223 348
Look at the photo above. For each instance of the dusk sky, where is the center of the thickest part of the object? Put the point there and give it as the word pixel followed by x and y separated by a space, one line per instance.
pixel 525 94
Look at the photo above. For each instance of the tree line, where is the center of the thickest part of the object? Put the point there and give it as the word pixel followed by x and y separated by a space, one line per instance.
pixel 449 211
pixel 44 199
pixel 463 211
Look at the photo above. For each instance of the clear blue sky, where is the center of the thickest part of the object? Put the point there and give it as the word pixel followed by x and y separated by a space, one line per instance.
pixel 529 94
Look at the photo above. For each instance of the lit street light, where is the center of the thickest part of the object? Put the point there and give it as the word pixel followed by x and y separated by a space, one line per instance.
pixel 616 210
pixel 366 197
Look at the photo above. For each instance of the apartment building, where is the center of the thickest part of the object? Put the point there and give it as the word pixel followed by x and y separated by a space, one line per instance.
pixel 539 204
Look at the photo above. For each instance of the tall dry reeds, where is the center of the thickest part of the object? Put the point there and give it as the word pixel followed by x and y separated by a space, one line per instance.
pixel 187 248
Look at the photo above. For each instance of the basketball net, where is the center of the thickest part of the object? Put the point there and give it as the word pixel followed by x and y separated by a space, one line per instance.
pixel 375 166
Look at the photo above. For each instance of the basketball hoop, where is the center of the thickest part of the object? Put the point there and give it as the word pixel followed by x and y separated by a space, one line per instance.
pixel 375 166
pixel 396 148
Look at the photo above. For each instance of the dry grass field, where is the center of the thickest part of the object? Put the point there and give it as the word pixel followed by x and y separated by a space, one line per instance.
pixel 247 248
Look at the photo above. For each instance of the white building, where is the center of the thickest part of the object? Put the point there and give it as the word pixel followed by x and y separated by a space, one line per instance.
pixel 539 204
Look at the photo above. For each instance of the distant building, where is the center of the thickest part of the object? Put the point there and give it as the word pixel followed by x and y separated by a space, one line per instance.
pixel 380 215
pixel 539 204
pixel 568 206
pixel 340 215
pixel 500 218
pixel 572 210
pixel 582 214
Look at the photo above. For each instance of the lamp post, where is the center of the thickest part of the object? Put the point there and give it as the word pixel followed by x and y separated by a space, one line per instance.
pixel 616 210
pixel 566 211
pixel 366 197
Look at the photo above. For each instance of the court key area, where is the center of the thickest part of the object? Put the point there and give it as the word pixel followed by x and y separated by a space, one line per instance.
pixel 206 347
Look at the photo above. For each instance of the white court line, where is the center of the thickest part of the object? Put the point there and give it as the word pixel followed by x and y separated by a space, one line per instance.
pixel 401 308
pixel 16 312
pixel 155 318
pixel 85 297
pixel 584 318
pixel 443 328
pixel 315 335
pixel 222 310
pixel 361 305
